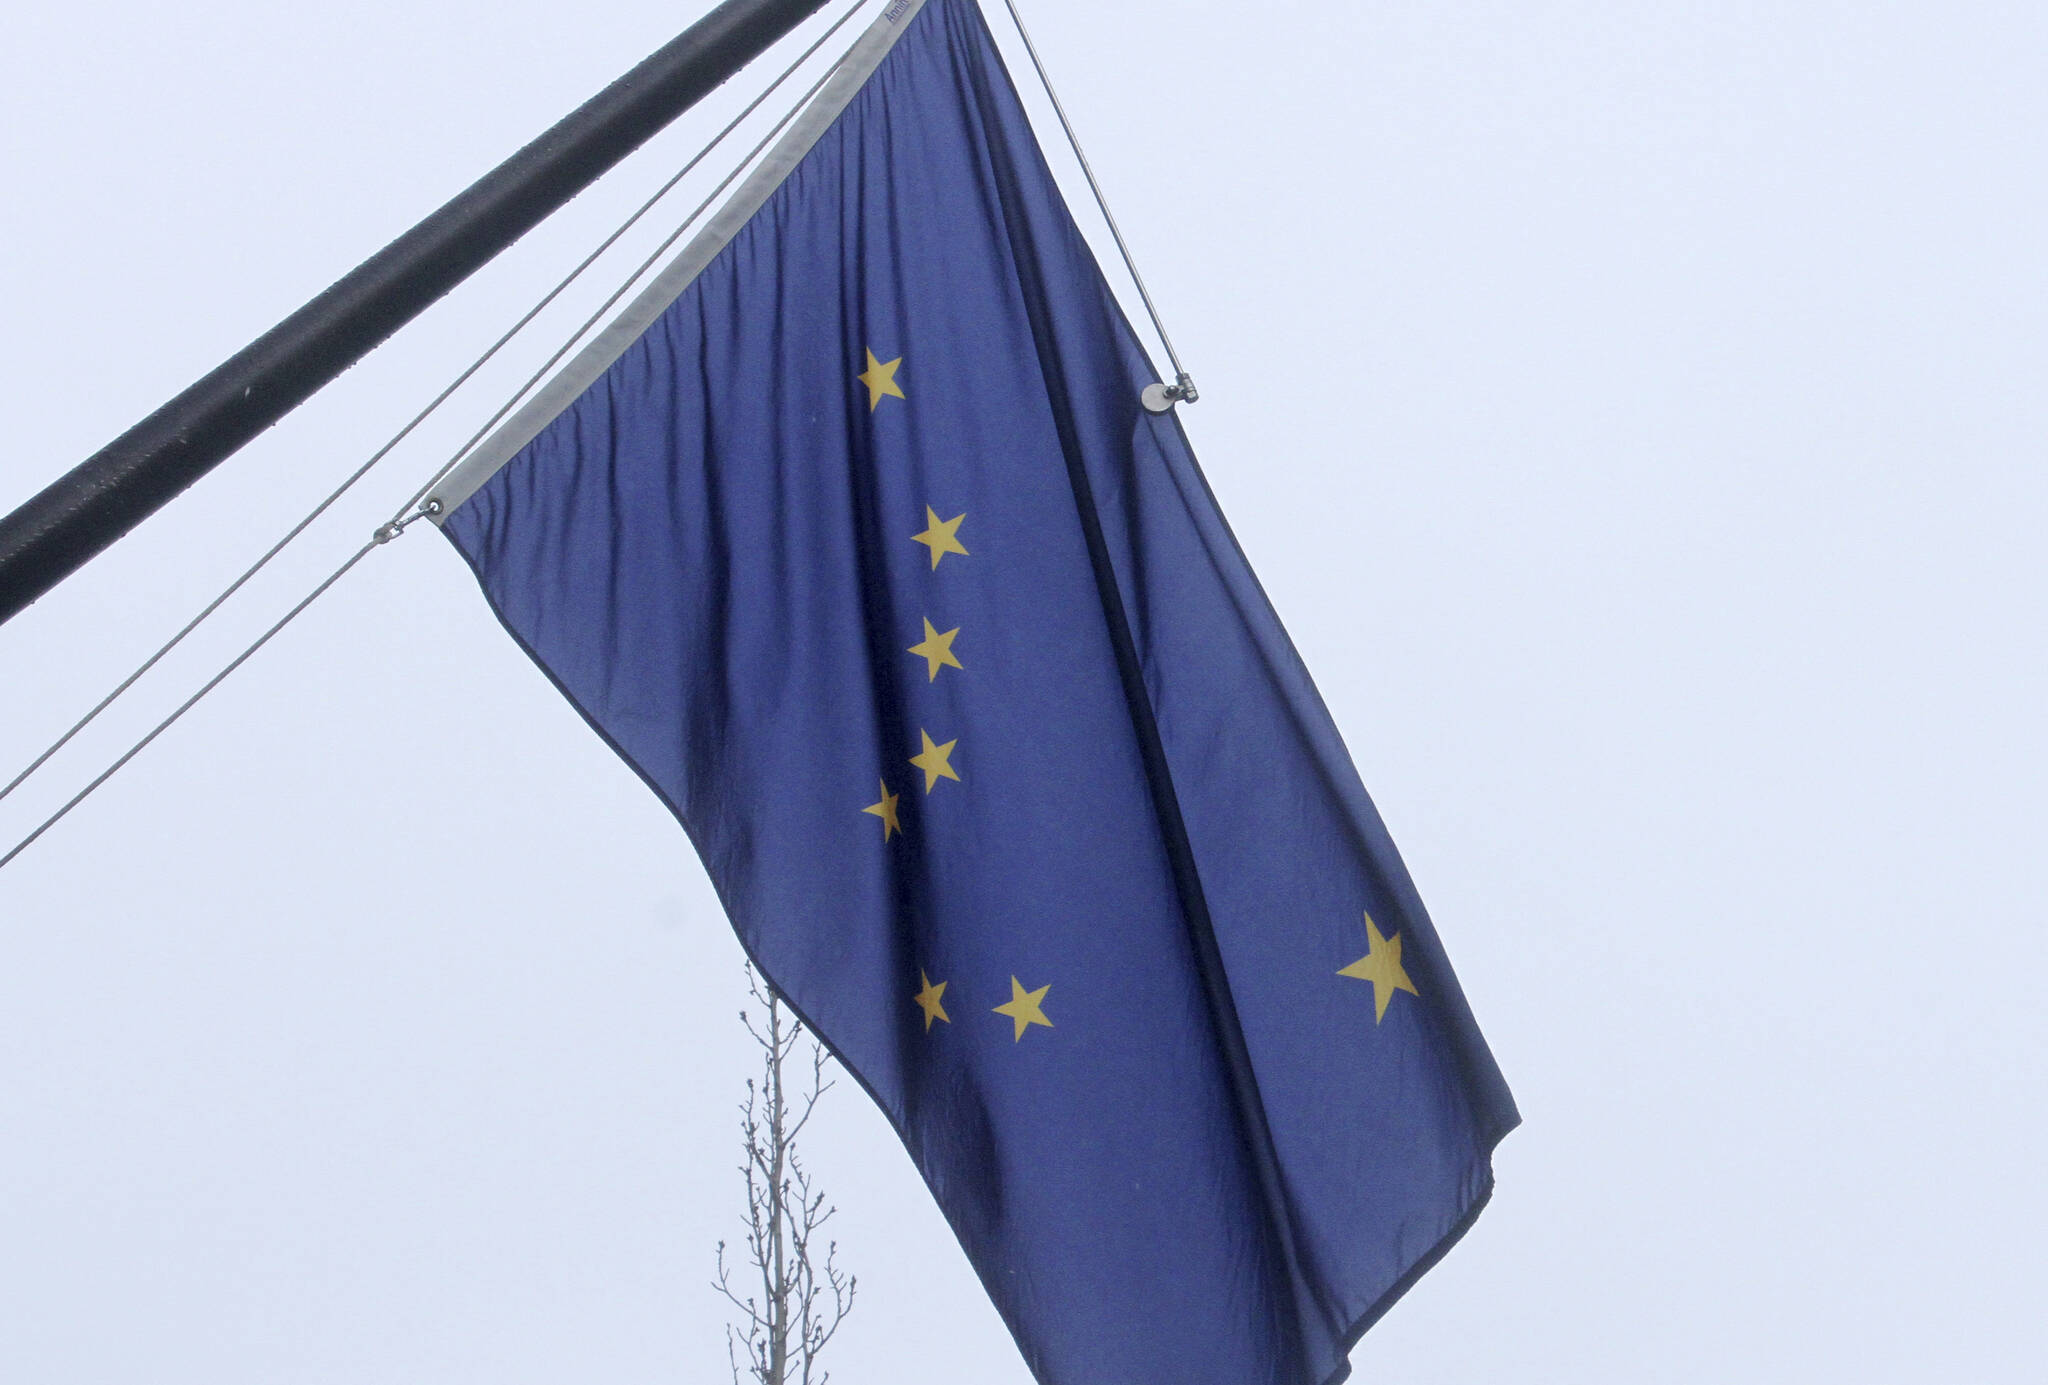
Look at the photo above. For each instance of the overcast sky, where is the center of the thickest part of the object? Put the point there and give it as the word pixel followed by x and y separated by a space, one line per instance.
pixel 1635 411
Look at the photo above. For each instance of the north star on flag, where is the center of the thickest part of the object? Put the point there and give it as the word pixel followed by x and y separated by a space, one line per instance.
pixel 853 539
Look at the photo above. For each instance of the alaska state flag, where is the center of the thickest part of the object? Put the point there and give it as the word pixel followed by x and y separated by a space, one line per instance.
pixel 854 541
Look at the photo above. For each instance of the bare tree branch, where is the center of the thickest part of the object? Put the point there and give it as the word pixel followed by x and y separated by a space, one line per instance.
pixel 802 1302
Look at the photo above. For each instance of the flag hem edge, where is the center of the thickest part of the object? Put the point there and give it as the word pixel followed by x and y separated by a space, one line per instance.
pixel 590 364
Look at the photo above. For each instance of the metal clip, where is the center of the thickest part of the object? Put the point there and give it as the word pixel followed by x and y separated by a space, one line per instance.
pixel 385 533
pixel 1160 399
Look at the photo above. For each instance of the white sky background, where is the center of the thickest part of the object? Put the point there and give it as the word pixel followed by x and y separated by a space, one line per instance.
pixel 1636 413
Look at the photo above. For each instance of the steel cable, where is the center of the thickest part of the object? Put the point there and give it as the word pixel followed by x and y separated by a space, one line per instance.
pixel 463 378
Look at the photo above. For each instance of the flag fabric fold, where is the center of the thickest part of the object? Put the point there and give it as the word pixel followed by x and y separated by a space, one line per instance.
pixel 865 557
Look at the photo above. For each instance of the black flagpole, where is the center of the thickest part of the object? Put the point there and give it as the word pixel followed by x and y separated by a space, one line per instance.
pixel 80 514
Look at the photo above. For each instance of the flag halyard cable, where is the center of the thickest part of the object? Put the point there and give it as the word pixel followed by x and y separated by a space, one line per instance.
pixel 1157 399
pixel 407 511
pixel 421 505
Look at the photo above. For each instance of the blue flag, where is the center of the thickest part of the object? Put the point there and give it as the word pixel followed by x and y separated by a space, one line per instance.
pixel 855 542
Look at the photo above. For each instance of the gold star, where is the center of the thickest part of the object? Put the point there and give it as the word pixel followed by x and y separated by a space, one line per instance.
pixel 928 1001
pixel 1023 1008
pixel 937 649
pixel 934 761
pixel 886 811
pixel 880 378
pixel 943 535
pixel 1381 965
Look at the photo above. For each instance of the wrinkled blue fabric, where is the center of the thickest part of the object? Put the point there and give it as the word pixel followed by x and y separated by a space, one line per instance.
pixel 1213 1163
